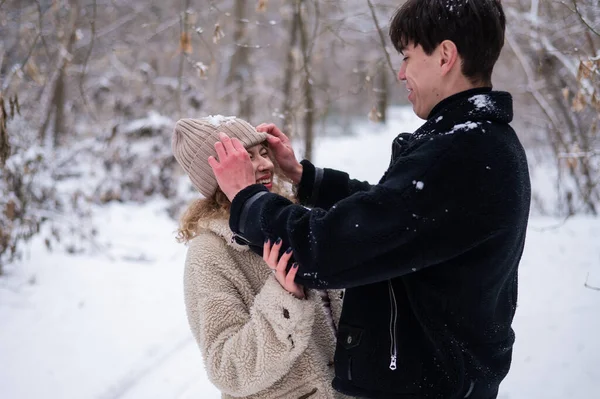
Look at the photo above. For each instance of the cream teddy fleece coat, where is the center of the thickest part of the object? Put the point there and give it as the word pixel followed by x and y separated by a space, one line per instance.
pixel 257 340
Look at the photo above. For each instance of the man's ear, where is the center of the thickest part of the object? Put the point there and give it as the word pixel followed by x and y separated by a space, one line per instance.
pixel 448 56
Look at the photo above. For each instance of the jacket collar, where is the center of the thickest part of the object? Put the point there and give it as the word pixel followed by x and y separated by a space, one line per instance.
pixel 467 110
pixel 221 228
pixel 458 97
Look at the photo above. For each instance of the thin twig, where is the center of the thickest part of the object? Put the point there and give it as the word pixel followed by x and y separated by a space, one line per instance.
pixel 213 5
pixel 112 27
pixel 161 28
pixel 254 46
pixel 208 48
pixel 554 226
pixel 587 154
pixel 26 60
pixel 583 19
pixel 382 39
pixel 591 287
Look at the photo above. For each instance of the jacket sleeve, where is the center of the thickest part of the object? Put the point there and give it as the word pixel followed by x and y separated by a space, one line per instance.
pixel 432 207
pixel 321 188
pixel 245 350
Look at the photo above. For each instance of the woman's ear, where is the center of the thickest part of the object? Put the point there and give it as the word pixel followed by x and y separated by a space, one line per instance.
pixel 448 56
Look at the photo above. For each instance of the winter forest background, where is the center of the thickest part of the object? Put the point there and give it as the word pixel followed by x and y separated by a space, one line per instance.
pixel 90 91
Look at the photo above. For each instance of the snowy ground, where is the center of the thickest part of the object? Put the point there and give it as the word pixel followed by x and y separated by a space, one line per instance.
pixel 112 325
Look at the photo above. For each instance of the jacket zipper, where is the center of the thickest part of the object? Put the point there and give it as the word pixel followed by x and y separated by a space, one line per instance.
pixel 393 320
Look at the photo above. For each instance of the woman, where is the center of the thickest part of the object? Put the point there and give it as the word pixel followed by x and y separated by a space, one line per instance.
pixel 260 334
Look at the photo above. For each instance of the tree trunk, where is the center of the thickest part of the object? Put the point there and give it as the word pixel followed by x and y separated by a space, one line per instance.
pixel 309 103
pixel 59 110
pixel 289 74
pixel 54 94
pixel 184 48
pixel 240 72
pixel 381 92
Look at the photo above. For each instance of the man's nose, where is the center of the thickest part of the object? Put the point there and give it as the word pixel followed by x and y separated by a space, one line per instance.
pixel 402 73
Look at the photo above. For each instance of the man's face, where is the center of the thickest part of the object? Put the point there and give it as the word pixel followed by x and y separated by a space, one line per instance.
pixel 421 74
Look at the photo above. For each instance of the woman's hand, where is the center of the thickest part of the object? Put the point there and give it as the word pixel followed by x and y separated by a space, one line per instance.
pixel 279 264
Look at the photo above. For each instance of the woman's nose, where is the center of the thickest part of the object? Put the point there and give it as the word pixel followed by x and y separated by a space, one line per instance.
pixel 265 164
pixel 261 164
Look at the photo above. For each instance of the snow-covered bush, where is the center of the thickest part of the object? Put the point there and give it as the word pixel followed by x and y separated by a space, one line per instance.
pixel 137 162
pixel 58 188
pixel 37 188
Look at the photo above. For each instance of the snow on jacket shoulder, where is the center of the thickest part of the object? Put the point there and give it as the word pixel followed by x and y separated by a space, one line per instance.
pixel 257 340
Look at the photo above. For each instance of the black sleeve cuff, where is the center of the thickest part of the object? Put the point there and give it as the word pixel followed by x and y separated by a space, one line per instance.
pixel 241 204
pixel 308 188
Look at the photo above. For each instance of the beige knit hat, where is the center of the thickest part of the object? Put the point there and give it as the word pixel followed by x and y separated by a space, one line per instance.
pixel 194 141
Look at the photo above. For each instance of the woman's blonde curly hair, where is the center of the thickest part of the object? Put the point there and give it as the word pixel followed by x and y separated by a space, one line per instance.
pixel 218 205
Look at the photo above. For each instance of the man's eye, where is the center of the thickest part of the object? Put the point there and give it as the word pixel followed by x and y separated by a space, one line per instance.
pixel 405 59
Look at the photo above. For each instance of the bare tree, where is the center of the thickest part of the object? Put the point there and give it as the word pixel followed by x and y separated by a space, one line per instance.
pixel 185 48
pixel 556 44
pixel 381 89
pixel 289 70
pixel 309 103
pixel 53 96
pixel 240 70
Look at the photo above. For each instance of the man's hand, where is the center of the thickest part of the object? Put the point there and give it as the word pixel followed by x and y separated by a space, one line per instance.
pixel 283 151
pixel 233 169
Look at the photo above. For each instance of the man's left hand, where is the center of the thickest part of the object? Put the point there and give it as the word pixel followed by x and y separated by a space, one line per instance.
pixel 233 169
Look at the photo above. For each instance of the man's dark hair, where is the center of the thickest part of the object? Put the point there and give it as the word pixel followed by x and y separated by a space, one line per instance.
pixel 475 26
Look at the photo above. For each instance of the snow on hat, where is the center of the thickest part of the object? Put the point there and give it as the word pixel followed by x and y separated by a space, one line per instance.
pixel 194 141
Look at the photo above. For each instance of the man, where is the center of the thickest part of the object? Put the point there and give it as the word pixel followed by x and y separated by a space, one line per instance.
pixel 428 256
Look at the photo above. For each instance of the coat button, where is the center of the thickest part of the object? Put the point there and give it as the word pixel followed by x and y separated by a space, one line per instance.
pixel 349 339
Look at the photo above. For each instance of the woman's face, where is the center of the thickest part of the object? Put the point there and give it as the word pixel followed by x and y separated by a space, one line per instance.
pixel 262 164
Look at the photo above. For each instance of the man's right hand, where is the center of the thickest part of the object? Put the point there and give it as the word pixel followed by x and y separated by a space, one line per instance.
pixel 280 144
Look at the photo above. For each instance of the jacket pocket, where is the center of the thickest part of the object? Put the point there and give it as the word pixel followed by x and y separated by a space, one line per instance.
pixel 349 337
